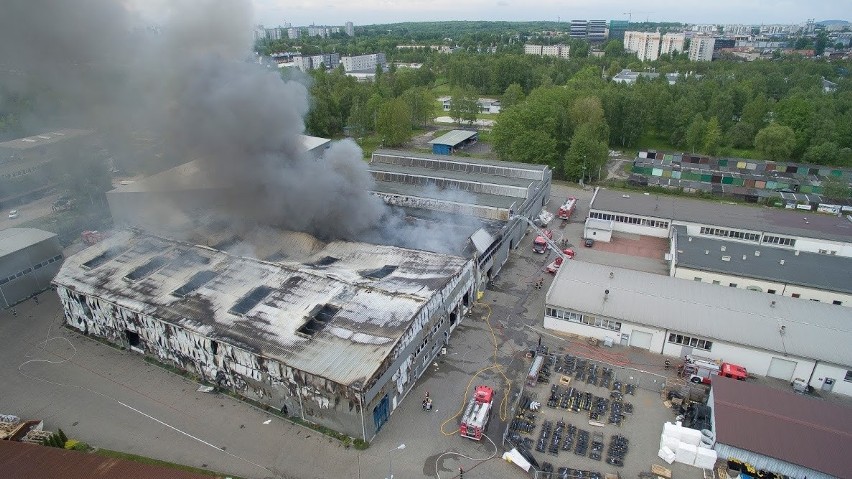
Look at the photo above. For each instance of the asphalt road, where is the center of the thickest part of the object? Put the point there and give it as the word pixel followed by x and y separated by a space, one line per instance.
pixel 114 399
pixel 27 212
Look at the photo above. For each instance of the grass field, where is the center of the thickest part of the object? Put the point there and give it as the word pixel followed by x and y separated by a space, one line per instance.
pixel 157 462
pixel 650 141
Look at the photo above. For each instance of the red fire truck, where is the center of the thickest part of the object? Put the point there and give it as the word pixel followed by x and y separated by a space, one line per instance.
pixel 553 267
pixel 540 242
pixel 477 414
pixel 700 370
pixel 567 208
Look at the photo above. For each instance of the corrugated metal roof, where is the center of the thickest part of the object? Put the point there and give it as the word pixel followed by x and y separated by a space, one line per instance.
pixel 373 316
pixel 16 239
pixel 44 139
pixel 725 214
pixel 812 330
pixel 813 433
pixel 470 160
pixel 19 460
pixel 814 270
pixel 453 137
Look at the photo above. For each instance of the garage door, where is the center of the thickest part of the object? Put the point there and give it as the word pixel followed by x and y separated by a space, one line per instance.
pixel 640 339
pixel 781 369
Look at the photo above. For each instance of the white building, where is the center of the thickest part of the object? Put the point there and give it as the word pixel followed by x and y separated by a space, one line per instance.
pixel 561 51
pixel 350 29
pixel 672 42
pixel 646 45
pixel 363 63
pixel 293 33
pixel 486 105
pixel 778 337
pixel 701 48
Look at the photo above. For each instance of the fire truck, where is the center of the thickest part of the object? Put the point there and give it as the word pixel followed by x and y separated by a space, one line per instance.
pixel 700 370
pixel 567 208
pixel 553 267
pixel 540 242
pixel 477 414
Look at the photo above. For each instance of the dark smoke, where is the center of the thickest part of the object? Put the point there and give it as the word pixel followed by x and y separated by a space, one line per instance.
pixel 191 84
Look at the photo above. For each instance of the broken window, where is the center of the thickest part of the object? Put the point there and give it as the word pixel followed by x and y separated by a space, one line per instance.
pixel 227 244
pixel 143 271
pixel 379 273
pixel 103 258
pixel 249 301
pixel 198 280
pixel 318 320
pixel 132 338
pixel 214 347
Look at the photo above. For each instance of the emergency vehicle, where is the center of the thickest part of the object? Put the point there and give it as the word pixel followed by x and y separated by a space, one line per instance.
pixel 476 415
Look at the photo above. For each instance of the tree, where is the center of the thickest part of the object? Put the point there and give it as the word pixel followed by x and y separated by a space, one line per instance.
pixel 775 142
pixel 421 103
pixel 586 155
pixel 62 436
pixel 464 106
pixel 836 188
pixel 741 135
pixel 695 133
pixel 513 95
pixel 712 136
pixel 587 110
pixel 827 153
pixel 393 122
pixel 614 48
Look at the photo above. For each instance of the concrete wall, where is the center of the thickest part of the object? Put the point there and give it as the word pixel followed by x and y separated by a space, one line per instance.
pixel 838 373
pixel 37 263
pixel 780 288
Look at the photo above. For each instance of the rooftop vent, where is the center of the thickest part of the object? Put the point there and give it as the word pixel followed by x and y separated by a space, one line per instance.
pixel 379 273
pixel 690 238
pixel 227 244
pixel 143 271
pixel 318 320
pixel 103 258
pixel 796 252
pixel 757 253
pixel 706 251
pixel 724 248
pixel 726 258
pixel 249 301
pixel 781 262
pixel 745 257
pixel 325 261
pixel 198 280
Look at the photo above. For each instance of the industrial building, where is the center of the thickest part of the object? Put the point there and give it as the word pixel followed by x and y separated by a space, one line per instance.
pixel 29 258
pixel 448 143
pixel 780 432
pixel 334 333
pixel 774 336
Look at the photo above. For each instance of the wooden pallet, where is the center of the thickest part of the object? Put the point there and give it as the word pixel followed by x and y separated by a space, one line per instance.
pixel 661 471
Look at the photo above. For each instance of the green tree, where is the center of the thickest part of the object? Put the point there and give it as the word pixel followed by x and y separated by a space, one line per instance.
pixel 775 142
pixel 614 48
pixel 62 437
pixel 464 105
pixel 827 153
pixel 421 103
pixel 695 133
pixel 513 95
pixel 712 136
pixel 587 110
pixel 741 135
pixel 836 188
pixel 587 154
pixel 393 122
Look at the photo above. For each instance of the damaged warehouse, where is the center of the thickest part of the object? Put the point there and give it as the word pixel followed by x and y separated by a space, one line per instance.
pixel 335 333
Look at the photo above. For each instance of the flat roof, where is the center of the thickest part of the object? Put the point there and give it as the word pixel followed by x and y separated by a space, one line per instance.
pixel 813 270
pixel 312 142
pixel 465 160
pixel 453 175
pixel 467 197
pixel 44 139
pixel 260 305
pixel 15 239
pixel 812 330
pixel 20 460
pixel 725 214
pixel 453 137
pixel 805 431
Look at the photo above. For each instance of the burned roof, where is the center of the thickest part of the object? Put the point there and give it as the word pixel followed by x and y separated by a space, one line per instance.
pixel 265 307
pixel 809 432
pixel 44 139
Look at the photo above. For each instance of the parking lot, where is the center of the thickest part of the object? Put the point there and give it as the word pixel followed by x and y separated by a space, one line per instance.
pixel 114 399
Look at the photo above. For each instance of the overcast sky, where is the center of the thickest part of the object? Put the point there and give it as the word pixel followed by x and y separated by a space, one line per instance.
pixel 363 12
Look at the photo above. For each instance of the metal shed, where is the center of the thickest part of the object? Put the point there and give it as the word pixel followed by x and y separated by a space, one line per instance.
pixel 29 259
pixel 448 143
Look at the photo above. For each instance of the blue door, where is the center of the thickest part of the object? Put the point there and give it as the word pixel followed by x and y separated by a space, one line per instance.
pixel 380 413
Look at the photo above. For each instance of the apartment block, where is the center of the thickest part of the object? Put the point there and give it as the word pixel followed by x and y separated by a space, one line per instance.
pixel 363 62
pixel 672 42
pixel 561 51
pixel 646 45
pixel 701 48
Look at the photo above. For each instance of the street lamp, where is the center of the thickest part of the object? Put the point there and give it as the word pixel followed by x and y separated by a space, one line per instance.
pixel 390 459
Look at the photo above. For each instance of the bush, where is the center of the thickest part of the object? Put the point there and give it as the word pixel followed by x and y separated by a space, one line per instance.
pixel 81 446
pixel 62 436
pixel 71 444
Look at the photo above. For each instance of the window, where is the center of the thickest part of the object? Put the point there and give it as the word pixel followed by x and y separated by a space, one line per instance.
pixel 698 279
pixel 733 285
pixel 837 302
pixel 848 376
pixel 715 282
pixel 815 300
pixel 770 291
pixel 696 343
pixel 779 240
pixel 796 295
pixel 586 319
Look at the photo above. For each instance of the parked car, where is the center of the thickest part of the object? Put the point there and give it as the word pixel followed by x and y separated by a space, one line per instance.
pixel 589 242
pixel 13 214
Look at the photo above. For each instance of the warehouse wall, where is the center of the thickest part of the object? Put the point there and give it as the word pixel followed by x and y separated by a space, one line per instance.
pixel 31 270
pixel 838 373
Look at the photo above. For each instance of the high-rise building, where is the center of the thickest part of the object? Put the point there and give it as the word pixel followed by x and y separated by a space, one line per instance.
pixel 617 29
pixel 293 33
pixel 350 29
pixel 672 42
pixel 597 31
pixel 701 48
pixel 579 29
pixel 363 63
pixel 646 45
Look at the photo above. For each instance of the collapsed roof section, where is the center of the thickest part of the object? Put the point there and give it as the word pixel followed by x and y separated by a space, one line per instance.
pixel 339 320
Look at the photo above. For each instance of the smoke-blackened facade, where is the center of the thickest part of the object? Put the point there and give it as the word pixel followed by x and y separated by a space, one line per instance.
pixel 333 333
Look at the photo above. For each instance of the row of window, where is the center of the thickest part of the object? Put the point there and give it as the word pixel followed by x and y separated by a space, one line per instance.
pixel 770 291
pixel 25 171
pixel 690 341
pixel 30 270
pixel 587 319
pixel 779 240
pixel 633 220
pixel 728 233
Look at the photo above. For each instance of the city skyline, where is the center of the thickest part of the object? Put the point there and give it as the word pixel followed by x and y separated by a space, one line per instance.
pixel 333 12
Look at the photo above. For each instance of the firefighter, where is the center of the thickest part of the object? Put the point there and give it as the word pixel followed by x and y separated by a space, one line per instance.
pixel 668 364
